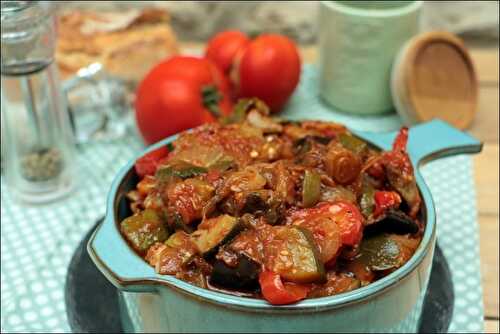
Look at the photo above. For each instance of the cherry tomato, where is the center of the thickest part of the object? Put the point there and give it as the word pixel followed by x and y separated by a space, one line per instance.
pixel 269 68
pixel 223 48
pixel 278 293
pixel 146 165
pixel 385 200
pixel 178 94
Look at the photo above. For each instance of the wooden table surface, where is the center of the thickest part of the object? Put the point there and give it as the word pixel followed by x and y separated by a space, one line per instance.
pixel 486 169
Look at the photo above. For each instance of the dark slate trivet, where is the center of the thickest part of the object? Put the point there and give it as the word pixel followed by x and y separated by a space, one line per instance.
pixel 439 298
pixel 92 302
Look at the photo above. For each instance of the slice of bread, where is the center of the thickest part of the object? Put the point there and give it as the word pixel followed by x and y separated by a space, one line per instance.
pixel 127 44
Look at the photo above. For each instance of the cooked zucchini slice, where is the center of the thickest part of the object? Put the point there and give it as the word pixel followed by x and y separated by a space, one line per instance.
pixel 215 232
pixel 379 253
pixel 143 229
pixel 178 239
pixel 183 171
pixel 294 256
pixel 367 203
pixel 172 256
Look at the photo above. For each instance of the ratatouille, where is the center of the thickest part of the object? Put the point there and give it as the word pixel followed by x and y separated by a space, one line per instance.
pixel 266 208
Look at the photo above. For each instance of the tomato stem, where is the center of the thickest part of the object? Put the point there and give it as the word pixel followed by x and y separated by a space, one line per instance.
pixel 211 97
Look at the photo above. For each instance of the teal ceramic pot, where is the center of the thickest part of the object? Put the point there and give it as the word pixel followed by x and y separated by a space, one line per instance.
pixel 161 303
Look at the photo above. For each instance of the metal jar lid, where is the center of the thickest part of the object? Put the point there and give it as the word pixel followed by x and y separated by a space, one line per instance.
pixel 433 77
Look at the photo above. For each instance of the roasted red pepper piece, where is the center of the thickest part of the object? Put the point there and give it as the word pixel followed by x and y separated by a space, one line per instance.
pixel 278 293
pixel 345 214
pixel 399 172
pixel 147 164
pixel 401 140
pixel 350 222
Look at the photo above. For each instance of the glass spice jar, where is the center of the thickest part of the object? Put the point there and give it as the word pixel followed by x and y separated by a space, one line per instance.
pixel 38 140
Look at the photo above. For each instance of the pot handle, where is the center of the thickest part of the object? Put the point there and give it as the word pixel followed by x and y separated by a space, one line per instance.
pixel 114 258
pixel 429 141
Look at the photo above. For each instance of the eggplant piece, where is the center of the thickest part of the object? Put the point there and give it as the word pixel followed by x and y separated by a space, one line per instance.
pixel 302 146
pixel 232 292
pixel 276 213
pixel 400 223
pixel 256 201
pixel 215 232
pixel 245 275
pixel 393 221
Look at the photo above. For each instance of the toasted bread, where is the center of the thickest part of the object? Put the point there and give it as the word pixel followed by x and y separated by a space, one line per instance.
pixel 127 44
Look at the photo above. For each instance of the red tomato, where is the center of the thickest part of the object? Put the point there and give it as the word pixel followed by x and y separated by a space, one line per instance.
pixel 277 293
pixel 269 69
pixel 385 200
pixel 178 94
pixel 223 48
pixel 146 165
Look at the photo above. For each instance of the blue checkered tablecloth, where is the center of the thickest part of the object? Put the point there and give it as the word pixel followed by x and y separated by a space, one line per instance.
pixel 37 242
